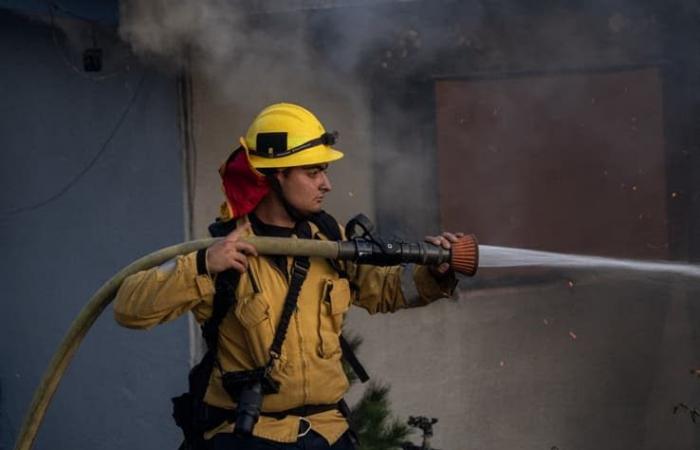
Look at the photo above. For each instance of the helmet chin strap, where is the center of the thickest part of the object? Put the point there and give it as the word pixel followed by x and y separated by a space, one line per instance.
pixel 294 213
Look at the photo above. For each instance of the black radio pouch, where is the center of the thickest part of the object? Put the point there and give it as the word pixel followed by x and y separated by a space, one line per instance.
pixel 191 414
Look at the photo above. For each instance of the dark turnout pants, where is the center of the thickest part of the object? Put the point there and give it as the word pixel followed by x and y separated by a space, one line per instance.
pixel 311 441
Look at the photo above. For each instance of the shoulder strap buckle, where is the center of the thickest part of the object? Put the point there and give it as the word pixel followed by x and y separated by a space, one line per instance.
pixel 301 266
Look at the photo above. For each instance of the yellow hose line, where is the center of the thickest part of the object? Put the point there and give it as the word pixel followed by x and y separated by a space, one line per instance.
pixel 104 296
pixel 294 247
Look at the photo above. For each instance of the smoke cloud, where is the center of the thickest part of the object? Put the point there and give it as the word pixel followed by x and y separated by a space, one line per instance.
pixel 249 59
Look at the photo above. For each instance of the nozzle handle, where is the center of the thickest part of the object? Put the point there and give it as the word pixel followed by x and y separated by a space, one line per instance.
pixel 463 256
pixel 363 251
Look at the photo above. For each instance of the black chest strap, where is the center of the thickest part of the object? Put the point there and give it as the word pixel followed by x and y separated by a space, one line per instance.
pixel 300 268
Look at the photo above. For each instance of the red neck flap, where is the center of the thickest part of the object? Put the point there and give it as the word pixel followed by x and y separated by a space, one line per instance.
pixel 244 186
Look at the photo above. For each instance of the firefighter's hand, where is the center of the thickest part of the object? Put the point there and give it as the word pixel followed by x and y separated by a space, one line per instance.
pixel 230 252
pixel 445 240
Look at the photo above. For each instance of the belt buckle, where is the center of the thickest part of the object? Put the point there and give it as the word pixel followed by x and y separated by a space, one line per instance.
pixel 308 427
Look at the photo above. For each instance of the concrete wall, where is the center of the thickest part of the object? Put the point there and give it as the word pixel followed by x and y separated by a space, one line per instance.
pixel 74 209
pixel 599 365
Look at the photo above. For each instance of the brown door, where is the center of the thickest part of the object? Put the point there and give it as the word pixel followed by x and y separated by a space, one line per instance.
pixel 571 163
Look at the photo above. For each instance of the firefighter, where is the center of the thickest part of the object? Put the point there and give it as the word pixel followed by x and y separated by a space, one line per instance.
pixel 272 376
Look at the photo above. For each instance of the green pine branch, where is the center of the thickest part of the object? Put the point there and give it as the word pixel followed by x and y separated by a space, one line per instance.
pixel 371 416
pixel 373 421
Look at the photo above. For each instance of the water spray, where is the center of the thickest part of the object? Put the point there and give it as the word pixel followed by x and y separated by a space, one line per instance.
pixel 507 257
pixel 463 257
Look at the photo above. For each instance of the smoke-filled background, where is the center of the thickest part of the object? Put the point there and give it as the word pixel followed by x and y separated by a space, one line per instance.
pixel 562 126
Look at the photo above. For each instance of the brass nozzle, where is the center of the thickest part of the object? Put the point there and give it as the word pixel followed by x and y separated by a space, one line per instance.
pixel 465 255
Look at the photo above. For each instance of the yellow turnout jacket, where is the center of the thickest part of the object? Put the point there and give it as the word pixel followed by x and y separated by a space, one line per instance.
pixel 309 370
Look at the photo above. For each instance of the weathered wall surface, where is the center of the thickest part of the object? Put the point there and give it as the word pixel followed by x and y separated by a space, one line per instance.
pixel 599 365
pixel 122 199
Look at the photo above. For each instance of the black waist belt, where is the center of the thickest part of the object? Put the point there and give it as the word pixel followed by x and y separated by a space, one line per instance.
pixel 301 411
pixel 215 415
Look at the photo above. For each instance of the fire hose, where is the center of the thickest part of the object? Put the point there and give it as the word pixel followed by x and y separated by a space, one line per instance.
pixel 463 257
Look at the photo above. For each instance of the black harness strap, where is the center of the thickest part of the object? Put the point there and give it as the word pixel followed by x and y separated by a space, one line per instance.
pixel 225 289
pixel 300 268
pixel 328 226
pixel 224 299
pixel 351 359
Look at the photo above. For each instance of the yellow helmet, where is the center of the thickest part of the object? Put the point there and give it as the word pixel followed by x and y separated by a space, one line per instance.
pixel 287 135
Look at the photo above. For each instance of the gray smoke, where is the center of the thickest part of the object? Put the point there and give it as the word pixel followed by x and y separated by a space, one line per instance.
pixel 217 39
pixel 247 60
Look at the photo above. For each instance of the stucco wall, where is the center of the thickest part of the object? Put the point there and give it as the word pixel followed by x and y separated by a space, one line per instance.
pixel 102 210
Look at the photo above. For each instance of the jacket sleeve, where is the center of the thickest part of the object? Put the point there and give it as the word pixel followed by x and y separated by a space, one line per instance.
pixel 163 293
pixel 379 289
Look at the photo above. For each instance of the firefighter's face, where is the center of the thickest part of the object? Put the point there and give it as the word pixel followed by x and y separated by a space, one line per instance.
pixel 305 187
